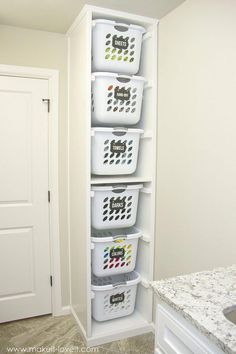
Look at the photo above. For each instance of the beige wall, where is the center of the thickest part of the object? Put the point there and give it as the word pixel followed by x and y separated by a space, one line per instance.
pixel 46 50
pixel 196 214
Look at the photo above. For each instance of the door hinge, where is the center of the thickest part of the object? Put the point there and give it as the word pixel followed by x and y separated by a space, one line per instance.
pixel 48 102
pixel 49 196
pixel 51 280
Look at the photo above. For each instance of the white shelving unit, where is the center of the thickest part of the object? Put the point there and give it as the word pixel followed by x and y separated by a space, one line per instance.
pixel 80 179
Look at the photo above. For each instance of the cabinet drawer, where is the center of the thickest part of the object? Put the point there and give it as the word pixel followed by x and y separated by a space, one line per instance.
pixel 173 337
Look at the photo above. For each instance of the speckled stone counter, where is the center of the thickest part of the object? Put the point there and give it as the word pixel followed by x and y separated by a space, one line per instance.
pixel 200 298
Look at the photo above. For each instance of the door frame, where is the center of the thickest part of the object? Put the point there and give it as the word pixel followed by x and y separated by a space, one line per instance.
pixel 53 80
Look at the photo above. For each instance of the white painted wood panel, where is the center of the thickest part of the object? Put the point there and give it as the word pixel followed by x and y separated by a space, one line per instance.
pixel 79 169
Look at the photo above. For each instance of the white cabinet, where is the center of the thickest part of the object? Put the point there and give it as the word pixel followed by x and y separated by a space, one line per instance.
pixel 175 335
pixel 81 180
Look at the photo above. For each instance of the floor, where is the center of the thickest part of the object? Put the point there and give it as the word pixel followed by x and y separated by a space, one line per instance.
pixel 47 334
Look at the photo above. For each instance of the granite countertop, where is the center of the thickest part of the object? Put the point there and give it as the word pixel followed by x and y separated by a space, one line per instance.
pixel 201 298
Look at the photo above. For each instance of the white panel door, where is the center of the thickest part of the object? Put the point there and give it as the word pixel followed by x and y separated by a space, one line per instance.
pixel 25 289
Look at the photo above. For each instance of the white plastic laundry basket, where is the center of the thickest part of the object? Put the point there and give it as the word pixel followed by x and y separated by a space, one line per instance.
pixel 114 150
pixel 116 46
pixel 114 296
pixel 114 206
pixel 116 99
pixel 114 251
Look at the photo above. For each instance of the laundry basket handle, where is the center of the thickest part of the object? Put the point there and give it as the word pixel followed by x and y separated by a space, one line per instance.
pixel 121 27
pixel 119 236
pixel 119 188
pixel 123 78
pixel 119 283
pixel 119 131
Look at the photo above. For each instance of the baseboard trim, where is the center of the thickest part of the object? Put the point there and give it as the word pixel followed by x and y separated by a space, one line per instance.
pixel 65 310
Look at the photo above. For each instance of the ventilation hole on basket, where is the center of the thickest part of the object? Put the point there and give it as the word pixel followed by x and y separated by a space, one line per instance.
pixel 130 148
pixel 130 142
pixel 111 212
pixel 119 58
pixel 105 206
pixel 129 162
pixel 117 217
pixel 117 162
pixel 108 42
pixel 110 87
pixel 129 155
pixel 119 51
pixel 127 110
pixel 132 46
pixel 123 162
pixel 111 162
pixel 127 103
pixel 121 103
pixel 105 155
pixel 104 219
pixel 131 53
pixel 105 162
pixel 133 97
pixel 133 103
pixel 111 218
pixel 123 211
pixel 124 154
pixel 125 58
pixel 111 266
pixel 129 204
pixel 128 216
pixel 112 155
pixel 106 142
pixel 105 212
pixel 107 49
pixel 109 108
pixel 105 266
pixel 122 264
pixel 131 60
pixel 122 217
pixel 115 109
pixel 114 57
pixel 130 197
pixel 121 109
pixel 107 56
pixel 109 101
pixel 128 211
pixel 117 154
pixel 117 211
pixel 108 35
pixel 109 94
pixel 132 40
pixel 133 110
pixel 113 50
pixel 106 148
pixel 134 90
pixel 115 102
pixel 117 265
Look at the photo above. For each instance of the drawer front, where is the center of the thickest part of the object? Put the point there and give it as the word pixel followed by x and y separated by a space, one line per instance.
pixel 172 337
